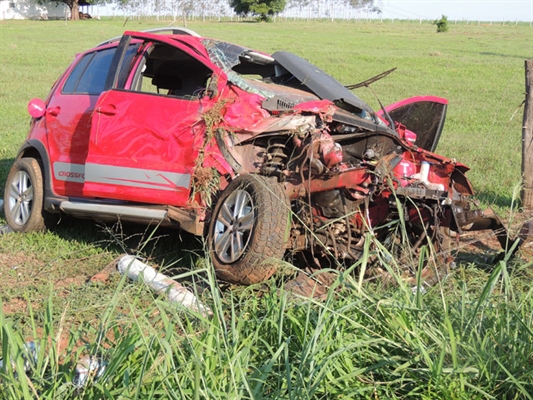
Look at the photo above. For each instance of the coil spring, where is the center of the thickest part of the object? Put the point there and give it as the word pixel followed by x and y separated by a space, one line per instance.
pixel 275 157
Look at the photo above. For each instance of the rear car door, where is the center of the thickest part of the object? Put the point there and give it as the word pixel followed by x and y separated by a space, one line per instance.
pixel 68 117
pixel 146 133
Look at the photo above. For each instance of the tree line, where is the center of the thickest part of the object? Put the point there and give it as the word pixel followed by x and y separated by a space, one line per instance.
pixel 262 10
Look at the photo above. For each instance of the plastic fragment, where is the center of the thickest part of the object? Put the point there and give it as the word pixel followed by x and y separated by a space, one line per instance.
pixel 415 289
pixel 88 366
pixel 5 229
pixel 176 293
pixel 29 354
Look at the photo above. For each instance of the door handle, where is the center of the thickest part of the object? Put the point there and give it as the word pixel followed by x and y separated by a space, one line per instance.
pixel 108 109
pixel 53 111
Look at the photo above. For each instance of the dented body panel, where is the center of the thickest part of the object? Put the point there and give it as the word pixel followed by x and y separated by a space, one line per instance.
pixel 165 123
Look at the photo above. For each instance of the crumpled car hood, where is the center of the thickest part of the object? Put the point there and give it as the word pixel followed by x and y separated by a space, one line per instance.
pixel 318 81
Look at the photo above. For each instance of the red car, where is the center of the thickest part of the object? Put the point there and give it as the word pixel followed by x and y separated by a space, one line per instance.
pixel 260 153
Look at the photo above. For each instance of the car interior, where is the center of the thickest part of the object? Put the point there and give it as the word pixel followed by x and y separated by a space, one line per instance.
pixel 168 71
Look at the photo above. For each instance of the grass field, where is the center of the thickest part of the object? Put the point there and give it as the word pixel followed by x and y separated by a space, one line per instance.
pixel 468 337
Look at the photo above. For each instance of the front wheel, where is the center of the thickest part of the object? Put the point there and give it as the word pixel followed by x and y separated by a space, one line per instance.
pixel 249 229
pixel 23 198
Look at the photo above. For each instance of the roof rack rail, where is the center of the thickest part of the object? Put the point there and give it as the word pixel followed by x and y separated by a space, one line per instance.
pixel 174 31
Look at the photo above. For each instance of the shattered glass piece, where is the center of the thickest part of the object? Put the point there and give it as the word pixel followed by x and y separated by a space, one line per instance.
pixel 226 56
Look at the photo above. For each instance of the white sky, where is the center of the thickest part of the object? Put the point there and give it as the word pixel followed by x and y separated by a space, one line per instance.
pixel 474 10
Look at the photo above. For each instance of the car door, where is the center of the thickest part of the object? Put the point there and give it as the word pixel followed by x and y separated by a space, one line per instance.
pixel 146 135
pixel 68 117
pixel 423 115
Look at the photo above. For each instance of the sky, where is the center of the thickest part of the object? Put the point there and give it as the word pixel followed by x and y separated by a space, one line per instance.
pixel 473 10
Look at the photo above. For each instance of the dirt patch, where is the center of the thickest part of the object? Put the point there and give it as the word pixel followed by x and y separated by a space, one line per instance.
pixel 15 305
pixel 103 275
pixel 16 270
pixel 16 260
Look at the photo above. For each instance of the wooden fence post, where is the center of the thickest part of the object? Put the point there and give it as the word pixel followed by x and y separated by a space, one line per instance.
pixel 527 142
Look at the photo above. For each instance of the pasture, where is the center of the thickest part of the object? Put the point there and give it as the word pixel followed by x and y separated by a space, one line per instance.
pixel 470 336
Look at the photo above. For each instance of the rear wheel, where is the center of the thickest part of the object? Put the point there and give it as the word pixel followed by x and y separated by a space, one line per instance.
pixel 249 229
pixel 23 198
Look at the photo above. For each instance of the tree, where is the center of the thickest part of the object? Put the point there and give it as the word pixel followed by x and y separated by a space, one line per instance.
pixel 263 9
pixel 325 8
pixel 73 5
pixel 368 4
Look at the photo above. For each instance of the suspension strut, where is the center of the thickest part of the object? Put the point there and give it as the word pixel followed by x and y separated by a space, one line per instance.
pixel 276 157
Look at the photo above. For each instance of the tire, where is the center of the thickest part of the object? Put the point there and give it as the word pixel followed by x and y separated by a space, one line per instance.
pixel 249 229
pixel 24 195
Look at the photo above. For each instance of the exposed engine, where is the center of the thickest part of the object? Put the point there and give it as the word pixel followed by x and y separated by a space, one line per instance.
pixel 345 181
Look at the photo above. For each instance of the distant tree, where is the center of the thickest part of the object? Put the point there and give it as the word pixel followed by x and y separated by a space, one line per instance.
pixel 442 24
pixel 263 9
pixel 299 3
pixel 73 5
pixel 176 8
pixel 368 4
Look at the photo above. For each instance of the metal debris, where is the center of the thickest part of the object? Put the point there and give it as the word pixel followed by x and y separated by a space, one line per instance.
pixel 88 366
pixel 176 293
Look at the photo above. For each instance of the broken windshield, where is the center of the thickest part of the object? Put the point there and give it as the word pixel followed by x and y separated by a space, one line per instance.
pixel 226 56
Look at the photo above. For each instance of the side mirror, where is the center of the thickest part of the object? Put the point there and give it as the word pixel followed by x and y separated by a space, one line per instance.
pixel 36 108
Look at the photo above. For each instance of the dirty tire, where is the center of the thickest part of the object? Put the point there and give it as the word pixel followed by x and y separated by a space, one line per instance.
pixel 23 198
pixel 248 229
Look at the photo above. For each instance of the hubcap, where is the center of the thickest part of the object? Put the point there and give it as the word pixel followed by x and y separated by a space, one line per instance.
pixel 20 198
pixel 234 225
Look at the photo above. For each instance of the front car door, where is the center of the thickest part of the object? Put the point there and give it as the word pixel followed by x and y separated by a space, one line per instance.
pixel 147 132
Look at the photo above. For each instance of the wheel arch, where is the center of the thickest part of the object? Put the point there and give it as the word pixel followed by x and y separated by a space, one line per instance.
pixel 36 149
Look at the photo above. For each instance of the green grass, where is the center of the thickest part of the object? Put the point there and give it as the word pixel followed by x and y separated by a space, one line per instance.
pixel 453 342
pixel 468 337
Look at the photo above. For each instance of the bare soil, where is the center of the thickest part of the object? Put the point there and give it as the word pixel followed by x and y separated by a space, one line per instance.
pixel 19 272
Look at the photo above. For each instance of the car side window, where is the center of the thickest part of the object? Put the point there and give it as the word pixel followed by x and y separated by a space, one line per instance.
pixel 90 74
pixel 166 70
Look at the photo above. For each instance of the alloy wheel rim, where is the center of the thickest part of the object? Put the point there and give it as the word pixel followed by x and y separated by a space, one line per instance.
pixel 234 226
pixel 20 198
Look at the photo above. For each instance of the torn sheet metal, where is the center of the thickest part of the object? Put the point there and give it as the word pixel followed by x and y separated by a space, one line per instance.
pixel 246 113
pixel 176 293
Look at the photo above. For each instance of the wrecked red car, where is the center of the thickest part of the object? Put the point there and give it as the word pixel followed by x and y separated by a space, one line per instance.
pixel 265 155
